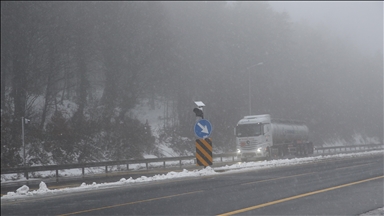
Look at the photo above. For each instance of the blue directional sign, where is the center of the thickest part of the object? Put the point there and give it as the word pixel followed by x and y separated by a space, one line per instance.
pixel 203 128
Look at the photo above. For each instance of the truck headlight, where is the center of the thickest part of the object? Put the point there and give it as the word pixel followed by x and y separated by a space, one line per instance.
pixel 238 151
pixel 259 149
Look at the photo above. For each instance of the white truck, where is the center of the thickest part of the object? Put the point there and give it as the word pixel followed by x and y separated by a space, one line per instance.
pixel 260 136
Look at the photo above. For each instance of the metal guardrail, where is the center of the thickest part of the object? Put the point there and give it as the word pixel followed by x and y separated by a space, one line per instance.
pixel 348 148
pixel 27 170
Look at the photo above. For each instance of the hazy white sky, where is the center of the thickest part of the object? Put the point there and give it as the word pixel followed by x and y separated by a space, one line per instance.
pixel 359 21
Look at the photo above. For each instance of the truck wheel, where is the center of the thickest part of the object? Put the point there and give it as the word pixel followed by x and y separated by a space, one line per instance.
pixel 281 152
pixel 298 150
pixel 305 150
pixel 269 156
pixel 310 145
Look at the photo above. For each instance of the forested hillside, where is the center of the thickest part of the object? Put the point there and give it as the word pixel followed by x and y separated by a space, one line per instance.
pixel 101 59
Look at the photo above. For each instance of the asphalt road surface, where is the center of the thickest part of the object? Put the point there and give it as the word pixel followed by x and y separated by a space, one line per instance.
pixel 347 186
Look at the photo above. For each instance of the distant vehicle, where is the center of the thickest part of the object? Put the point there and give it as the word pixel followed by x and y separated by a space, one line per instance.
pixel 260 136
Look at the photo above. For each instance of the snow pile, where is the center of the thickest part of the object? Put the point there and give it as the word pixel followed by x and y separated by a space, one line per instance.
pixel 171 175
pixel 293 161
pixel 24 190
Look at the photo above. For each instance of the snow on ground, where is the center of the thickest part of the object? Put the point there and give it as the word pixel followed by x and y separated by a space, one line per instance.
pixel 357 139
pixel 43 189
pixel 153 116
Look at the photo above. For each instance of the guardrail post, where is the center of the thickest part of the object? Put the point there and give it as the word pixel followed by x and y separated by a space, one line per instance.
pixel 127 167
pixel 106 170
pixel 57 175
pixel 146 164
pixel 26 175
pixel 82 171
pixel 164 164
pixel 180 163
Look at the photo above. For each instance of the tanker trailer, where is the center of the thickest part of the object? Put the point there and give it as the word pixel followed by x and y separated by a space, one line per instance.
pixel 260 136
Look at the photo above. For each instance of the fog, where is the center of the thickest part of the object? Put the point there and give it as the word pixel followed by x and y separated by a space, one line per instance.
pixel 308 69
pixel 358 21
pixel 102 59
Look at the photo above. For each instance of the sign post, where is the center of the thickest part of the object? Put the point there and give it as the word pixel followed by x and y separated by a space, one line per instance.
pixel 203 130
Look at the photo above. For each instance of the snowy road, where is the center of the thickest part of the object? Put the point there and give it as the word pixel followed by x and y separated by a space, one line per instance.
pixel 190 192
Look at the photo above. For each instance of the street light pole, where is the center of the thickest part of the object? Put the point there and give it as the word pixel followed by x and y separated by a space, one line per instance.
pixel 22 139
pixel 24 121
pixel 249 91
pixel 249 85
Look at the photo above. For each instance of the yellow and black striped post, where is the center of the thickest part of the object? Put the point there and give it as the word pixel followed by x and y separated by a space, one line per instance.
pixel 204 152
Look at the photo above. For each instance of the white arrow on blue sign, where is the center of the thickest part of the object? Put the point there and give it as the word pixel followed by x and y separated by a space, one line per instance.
pixel 203 128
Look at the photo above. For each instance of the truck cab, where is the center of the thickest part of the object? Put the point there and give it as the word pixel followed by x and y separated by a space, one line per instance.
pixel 253 137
